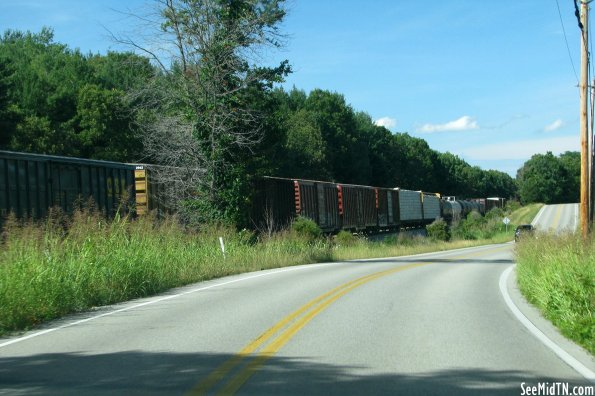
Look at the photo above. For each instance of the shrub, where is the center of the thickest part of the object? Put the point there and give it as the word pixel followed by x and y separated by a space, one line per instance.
pixel 438 230
pixel 345 238
pixel 306 228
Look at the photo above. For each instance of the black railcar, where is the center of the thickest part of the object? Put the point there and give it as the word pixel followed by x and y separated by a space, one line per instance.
pixel 277 201
pixel 273 203
pixel 31 183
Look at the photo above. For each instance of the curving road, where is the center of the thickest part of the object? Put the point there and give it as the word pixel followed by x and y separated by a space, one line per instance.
pixel 427 324
pixel 559 218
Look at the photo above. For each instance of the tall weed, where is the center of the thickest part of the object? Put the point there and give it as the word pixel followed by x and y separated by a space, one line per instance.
pixel 557 274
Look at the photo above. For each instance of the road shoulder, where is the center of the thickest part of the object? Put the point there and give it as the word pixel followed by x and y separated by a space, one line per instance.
pixel 543 325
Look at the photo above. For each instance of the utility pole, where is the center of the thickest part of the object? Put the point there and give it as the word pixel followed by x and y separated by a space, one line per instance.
pixel 583 88
pixel 590 150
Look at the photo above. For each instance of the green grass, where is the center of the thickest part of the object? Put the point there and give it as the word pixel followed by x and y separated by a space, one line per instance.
pixel 61 266
pixel 46 272
pixel 557 275
pixel 524 215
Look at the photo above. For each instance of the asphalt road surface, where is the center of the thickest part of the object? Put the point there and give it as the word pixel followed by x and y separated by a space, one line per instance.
pixel 427 324
pixel 557 218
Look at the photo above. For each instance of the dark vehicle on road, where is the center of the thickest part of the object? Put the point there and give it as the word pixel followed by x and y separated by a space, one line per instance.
pixel 523 229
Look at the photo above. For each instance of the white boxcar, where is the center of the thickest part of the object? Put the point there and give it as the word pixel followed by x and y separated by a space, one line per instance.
pixel 410 206
pixel 431 205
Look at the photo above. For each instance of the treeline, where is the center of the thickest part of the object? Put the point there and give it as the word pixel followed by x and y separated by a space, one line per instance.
pixel 123 107
pixel 550 179
pixel 327 139
pixel 54 100
pixel 59 101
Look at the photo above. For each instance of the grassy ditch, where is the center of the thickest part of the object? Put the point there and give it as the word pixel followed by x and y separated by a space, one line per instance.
pixel 67 265
pixel 525 214
pixel 557 275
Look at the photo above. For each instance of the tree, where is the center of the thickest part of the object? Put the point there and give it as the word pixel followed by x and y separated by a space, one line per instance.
pixel 346 151
pixel 57 101
pixel 196 112
pixel 306 148
pixel 571 162
pixel 543 179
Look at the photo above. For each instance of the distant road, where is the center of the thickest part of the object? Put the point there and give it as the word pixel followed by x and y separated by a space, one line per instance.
pixel 557 218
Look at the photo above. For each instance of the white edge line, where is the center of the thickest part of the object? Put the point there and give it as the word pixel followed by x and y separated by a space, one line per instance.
pixel 562 354
pixel 536 219
pixel 152 301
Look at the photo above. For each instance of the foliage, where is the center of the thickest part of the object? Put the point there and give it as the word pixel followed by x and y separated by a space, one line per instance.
pixel 306 228
pixel 345 238
pixel 58 101
pixel 71 264
pixel 550 179
pixel 476 226
pixel 557 275
pixel 212 117
pixel 438 230
pixel 326 139
pixel 199 113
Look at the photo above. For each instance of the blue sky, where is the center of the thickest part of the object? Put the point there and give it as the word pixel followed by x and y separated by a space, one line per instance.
pixel 490 80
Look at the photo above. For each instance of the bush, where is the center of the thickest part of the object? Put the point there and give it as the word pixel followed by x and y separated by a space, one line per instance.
pixel 306 228
pixel 345 238
pixel 438 230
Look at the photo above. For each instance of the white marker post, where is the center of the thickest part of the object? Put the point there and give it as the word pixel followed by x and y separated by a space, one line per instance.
pixel 222 246
pixel 506 221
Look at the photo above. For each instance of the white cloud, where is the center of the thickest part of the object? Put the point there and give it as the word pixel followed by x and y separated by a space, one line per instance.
pixel 554 126
pixel 386 122
pixel 522 150
pixel 464 123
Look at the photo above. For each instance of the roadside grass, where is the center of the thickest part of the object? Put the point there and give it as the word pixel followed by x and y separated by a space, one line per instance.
pixel 62 266
pixel 557 275
pixel 524 215
pixel 405 246
pixel 71 264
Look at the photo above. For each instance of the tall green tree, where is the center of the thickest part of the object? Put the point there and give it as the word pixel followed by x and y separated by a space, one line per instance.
pixel 57 101
pixel 198 112
pixel 543 178
pixel 571 161
pixel 346 151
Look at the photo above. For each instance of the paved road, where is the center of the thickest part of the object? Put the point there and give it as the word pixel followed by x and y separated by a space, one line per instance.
pixel 557 218
pixel 428 324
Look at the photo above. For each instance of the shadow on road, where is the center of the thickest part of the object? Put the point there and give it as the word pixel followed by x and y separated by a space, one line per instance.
pixel 134 372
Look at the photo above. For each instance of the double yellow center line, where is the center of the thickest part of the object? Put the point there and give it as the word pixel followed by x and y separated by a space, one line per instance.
pixel 261 349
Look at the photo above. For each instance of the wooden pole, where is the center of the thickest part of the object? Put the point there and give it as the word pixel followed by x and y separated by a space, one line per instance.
pixel 583 88
pixel 590 150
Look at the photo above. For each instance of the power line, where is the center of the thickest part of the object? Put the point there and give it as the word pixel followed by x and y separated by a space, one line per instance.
pixel 566 38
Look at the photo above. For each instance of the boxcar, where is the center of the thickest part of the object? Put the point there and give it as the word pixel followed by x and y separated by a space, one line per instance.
pixel 410 207
pixel 154 193
pixel 388 208
pixel 359 207
pixel 30 184
pixel 318 201
pixel 273 203
pixel 431 207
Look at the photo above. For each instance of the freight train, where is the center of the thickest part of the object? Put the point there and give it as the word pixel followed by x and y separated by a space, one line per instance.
pixel 30 184
pixel 337 206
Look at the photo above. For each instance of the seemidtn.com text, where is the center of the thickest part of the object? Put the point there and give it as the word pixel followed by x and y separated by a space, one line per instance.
pixel 556 389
